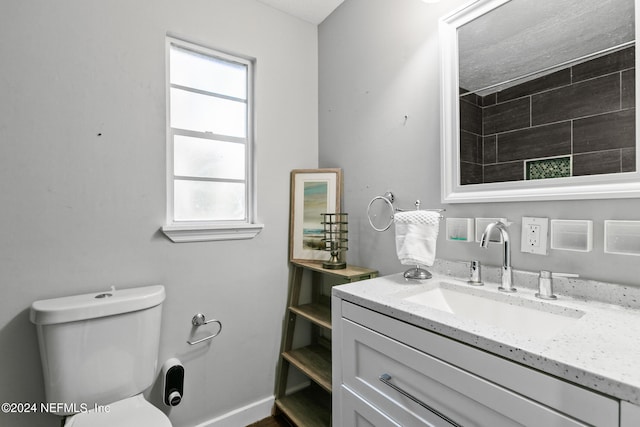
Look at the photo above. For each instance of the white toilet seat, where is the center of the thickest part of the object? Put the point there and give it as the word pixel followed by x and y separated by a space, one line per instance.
pixel 130 412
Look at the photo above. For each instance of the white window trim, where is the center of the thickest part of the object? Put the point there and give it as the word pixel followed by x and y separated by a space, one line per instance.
pixel 201 231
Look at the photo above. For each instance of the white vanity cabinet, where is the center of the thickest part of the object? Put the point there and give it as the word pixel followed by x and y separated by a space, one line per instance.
pixel 390 373
pixel 629 415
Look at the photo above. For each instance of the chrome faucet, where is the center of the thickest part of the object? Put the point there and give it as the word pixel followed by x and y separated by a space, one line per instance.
pixel 507 274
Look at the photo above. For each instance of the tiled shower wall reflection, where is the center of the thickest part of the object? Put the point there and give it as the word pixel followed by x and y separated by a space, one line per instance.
pixel 587 111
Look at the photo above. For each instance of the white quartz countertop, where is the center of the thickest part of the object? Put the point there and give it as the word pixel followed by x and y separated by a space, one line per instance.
pixel 600 351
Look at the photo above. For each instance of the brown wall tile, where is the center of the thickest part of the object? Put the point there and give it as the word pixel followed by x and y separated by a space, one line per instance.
pixel 501 172
pixel 506 116
pixel 591 97
pixel 628 159
pixel 605 131
pixel 472 98
pixel 470 147
pixel 470 117
pixel 536 142
pixel 596 163
pixel 628 89
pixel 470 173
pixel 550 81
pixel 616 61
pixel 488 100
pixel 489 153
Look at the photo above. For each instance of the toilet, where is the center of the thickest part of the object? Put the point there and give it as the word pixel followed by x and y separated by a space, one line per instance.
pixel 99 353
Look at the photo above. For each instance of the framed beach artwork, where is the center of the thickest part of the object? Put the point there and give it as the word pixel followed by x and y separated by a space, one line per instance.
pixel 313 192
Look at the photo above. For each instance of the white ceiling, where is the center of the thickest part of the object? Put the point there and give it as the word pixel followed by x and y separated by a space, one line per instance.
pixel 314 11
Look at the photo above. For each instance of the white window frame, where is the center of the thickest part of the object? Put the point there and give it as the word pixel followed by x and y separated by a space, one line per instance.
pixel 197 231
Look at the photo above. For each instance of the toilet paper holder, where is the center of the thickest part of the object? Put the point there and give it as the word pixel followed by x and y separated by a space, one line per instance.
pixel 200 320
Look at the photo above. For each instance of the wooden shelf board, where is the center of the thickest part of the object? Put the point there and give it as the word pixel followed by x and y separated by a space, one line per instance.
pixel 314 361
pixel 319 314
pixel 309 407
pixel 351 273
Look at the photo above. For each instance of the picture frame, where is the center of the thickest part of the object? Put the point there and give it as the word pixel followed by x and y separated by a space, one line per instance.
pixel 313 192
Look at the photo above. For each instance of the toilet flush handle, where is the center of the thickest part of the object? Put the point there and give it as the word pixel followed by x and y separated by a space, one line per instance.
pixel 200 320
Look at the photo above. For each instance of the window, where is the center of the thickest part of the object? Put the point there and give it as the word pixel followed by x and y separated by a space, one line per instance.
pixel 209 145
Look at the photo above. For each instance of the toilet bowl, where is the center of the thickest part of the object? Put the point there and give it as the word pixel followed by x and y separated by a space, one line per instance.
pixel 131 412
pixel 99 354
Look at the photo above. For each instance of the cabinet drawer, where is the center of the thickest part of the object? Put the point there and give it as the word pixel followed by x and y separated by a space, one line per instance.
pixel 629 415
pixel 461 396
pixel 507 381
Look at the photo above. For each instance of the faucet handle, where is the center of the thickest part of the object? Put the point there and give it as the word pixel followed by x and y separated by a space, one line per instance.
pixel 475 275
pixel 545 283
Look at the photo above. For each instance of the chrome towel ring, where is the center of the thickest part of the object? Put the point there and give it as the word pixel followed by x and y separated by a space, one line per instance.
pixel 200 320
pixel 388 199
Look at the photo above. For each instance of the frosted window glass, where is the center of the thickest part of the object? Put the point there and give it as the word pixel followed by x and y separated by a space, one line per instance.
pixel 206 73
pixel 202 113
pixel 213 201
pixel 206 158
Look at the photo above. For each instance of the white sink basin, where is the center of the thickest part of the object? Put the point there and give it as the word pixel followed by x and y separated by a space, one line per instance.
pixel 537 319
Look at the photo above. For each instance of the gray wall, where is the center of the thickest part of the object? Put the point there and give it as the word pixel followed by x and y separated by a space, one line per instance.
pixel 82 212
pixel 379 63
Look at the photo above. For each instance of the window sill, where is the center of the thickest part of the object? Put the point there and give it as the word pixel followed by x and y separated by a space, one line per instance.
pixel 207 232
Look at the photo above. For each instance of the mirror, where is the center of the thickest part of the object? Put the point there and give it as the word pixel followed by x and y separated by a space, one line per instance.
pixel 538 101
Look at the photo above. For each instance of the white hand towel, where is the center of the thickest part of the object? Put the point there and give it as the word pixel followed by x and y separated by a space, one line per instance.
pixel 416 235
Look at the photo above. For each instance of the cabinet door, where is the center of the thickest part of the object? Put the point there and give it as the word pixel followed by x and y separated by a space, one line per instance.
pixel 359 413
pixel 434 386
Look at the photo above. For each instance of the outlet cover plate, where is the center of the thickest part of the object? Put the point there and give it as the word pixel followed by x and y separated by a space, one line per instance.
pixel 535 232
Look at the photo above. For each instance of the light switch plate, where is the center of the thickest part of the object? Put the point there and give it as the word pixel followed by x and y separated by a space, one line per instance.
pixel 534 235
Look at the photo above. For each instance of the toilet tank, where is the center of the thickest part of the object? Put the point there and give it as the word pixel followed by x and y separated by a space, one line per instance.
pixel 98 348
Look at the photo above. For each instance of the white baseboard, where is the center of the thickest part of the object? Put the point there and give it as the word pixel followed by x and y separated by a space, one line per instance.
pixel 244 416
pixel 250 413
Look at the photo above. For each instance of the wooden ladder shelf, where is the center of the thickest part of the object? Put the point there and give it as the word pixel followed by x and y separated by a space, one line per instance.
pixel 311 406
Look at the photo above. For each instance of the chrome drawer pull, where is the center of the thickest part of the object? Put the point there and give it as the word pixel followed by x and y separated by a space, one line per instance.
pixel 386 378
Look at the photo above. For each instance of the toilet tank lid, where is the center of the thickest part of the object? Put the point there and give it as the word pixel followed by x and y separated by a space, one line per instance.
pixel 95 304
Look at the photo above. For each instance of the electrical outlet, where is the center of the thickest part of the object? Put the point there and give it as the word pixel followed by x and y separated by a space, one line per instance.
pixel 534 235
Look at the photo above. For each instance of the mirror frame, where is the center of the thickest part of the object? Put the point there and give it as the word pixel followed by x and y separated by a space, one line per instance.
pixel 620 185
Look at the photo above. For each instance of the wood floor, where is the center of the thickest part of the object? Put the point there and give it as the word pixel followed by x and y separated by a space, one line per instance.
pixel 277 421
